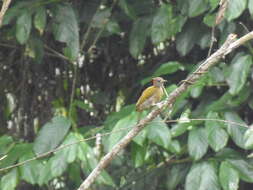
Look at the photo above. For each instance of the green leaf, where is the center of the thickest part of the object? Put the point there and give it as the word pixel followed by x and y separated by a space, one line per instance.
pixel 161 26
pixel 113 27
pixel 240 69
pixel 164 69
pixel 16 10
pixel 86 154
pixel 196 90
pixel 158 132
pixel 235 9
pixel 40 19
pixel 202 176
pixel 250 7
pixel 190 34
pixel 226 153
pixel 51 135
pixel 209 19
pixel 138 36
pixel 34 49
pixel 183 124
pixel 23 27
pixel 217 137
pixel 244 168
pixel 65 29
pixel 176 175
pixel 141 137
pixel 70 152
pixel 138 154
pixel 5 142
pixel 121 128
pixel 228 177
pixel 248 137
pixel 10 180
pixel 58 164
pixel 197 143
pixel 236 131
pixel 175 147
pixel 197 7
pixel 45 173
pixel 214 3
pixel 128 9
pixel 165 25
pixel 30 171
pixel 114 117
pixel 15 153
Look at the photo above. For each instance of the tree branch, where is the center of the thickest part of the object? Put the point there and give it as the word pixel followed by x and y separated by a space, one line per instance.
pixel 230 44
pixel 4 8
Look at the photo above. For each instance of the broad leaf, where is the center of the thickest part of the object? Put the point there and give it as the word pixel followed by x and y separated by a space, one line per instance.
pixel 197 143
pixel 23 27
pixel 197 7
pixel 51 135
pixel 58 164
pixel 244 168
pixel 15 153
pixel 217 137
pixel 158 132
pixel 138 154
pixel 121 128
pixel 70 152
pixel 183 124
pixel 228 177
pixel 240 69
pixel 202 176
pixel 45 173
pixel 65 29
pixel 30 171
pixel 236 131
pixel 5 142
pixel 10 180
pixel 128 9
pixel 40 19
pixel 235 9
pixel 176 175
pixel 188 37
pixel 248 137
pixel 250 7
pixel 138 36
pixel 162 24
pixel 164 69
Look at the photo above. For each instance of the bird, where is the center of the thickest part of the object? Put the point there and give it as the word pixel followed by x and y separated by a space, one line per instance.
pixel 151 95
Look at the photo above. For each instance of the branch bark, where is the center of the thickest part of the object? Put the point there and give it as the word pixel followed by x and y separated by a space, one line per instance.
pixel 230 44
pixel 5 6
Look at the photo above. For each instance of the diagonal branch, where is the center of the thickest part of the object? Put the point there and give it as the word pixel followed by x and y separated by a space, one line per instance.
pixel 4 8
pixel 230 44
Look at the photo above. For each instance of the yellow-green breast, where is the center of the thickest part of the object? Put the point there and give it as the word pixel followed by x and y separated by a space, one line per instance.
pixel 149 97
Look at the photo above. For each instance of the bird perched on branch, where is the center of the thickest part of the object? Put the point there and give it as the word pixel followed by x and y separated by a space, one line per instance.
pixel 151 95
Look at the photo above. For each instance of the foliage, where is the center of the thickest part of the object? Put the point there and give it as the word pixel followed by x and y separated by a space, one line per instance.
pixel 72 69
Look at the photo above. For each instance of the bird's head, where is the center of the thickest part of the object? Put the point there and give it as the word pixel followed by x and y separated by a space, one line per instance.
pixel 158 81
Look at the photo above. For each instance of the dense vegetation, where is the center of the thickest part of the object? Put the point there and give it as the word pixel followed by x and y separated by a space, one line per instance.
pixel 72 69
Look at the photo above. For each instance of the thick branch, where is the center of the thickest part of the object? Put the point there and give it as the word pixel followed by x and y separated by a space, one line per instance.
pixel 230 44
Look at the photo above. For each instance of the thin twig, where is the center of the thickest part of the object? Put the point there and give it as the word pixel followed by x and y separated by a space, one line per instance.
pixel 56 53
pixel 58 149
pixel 109 133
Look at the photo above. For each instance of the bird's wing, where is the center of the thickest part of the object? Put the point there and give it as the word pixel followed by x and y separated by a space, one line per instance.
pixel 147 93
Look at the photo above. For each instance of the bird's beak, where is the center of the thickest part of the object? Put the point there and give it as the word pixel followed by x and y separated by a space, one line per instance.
pixel 164 80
